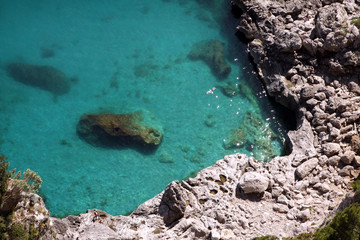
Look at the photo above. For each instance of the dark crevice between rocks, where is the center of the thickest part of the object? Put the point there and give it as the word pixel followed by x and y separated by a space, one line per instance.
pixel 286 116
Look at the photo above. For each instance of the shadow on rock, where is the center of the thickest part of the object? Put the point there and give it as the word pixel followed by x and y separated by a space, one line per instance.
pixel 254 197
pixel 173 204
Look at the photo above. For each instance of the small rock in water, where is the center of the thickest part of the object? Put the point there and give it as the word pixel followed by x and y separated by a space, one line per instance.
pixel 45 77
pixel 229 90
pixel 118 130
pixel 47 52
pixel 165 157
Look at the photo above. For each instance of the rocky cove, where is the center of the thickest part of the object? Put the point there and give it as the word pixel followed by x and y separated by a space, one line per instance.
pixel 306 54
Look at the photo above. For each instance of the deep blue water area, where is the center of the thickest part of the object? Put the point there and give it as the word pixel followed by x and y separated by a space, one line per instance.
pixel 119 57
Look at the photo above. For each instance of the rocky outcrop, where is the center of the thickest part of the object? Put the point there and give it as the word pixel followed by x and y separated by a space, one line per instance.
pixel 116 130
pixel 212 52
pixel 237 197
pixel 45 77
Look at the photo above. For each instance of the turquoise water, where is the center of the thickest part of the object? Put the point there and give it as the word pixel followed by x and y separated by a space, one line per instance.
pixel 123 56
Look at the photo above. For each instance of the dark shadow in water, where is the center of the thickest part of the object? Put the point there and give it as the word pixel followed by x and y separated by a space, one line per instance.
pixel 118 143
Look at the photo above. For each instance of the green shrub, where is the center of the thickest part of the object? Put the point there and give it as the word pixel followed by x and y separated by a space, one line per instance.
pixel 30 181
pixel 356 21
pixel 17 232
pixel 3 228
pixel 267 237
pixel 303 236
pixel 345 225
pixel 33 232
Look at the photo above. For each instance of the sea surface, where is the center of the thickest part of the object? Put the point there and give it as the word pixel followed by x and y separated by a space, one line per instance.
pixel 122 57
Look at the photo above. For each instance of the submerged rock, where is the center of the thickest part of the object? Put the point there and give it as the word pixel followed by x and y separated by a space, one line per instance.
pixel 118 130
pixel 237 138
pixel 260 136
pixel 45 77
pixel 212 52
pixel 229 90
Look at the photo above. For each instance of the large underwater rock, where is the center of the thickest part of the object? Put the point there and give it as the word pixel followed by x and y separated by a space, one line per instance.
pixel 45 77
pixel 112 130
pixel 212 52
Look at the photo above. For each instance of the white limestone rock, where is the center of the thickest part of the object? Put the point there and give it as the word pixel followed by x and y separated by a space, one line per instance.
pixel 347 157
pixel 305 169
pixel 331 149
pixel 253 182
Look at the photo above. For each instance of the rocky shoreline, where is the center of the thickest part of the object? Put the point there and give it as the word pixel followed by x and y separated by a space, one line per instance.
pixel 306 53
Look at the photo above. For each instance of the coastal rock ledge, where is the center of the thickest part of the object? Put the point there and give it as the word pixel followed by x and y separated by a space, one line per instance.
pixel 307 55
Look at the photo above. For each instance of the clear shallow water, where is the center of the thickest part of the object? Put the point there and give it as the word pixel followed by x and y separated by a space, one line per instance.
pixel 126 56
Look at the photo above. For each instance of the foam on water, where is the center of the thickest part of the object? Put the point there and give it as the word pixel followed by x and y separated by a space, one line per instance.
pixel 126 56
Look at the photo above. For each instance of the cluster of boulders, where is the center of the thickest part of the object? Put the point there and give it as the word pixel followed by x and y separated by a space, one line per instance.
pixel 306 53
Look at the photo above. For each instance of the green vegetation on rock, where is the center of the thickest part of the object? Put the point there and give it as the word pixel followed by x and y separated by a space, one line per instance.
pixel 4 176
pixel 30 181
pixel 266 237
pixel 345 225
pixel 356 21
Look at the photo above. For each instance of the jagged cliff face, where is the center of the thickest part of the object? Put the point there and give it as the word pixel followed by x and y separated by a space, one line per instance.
pixel 300 44
pixel 307 54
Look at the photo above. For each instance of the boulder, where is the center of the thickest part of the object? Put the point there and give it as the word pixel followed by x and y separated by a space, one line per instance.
pixel 287 41
pixel 118 130
pixel 253 182
pixel 212 52
pixel 334 160
pixel 45 77
pixel 347 157
pixel 330 17
pixel 305 168
pixel 301 141
pixel 173 203
pixel 355 143
pixel 331 149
